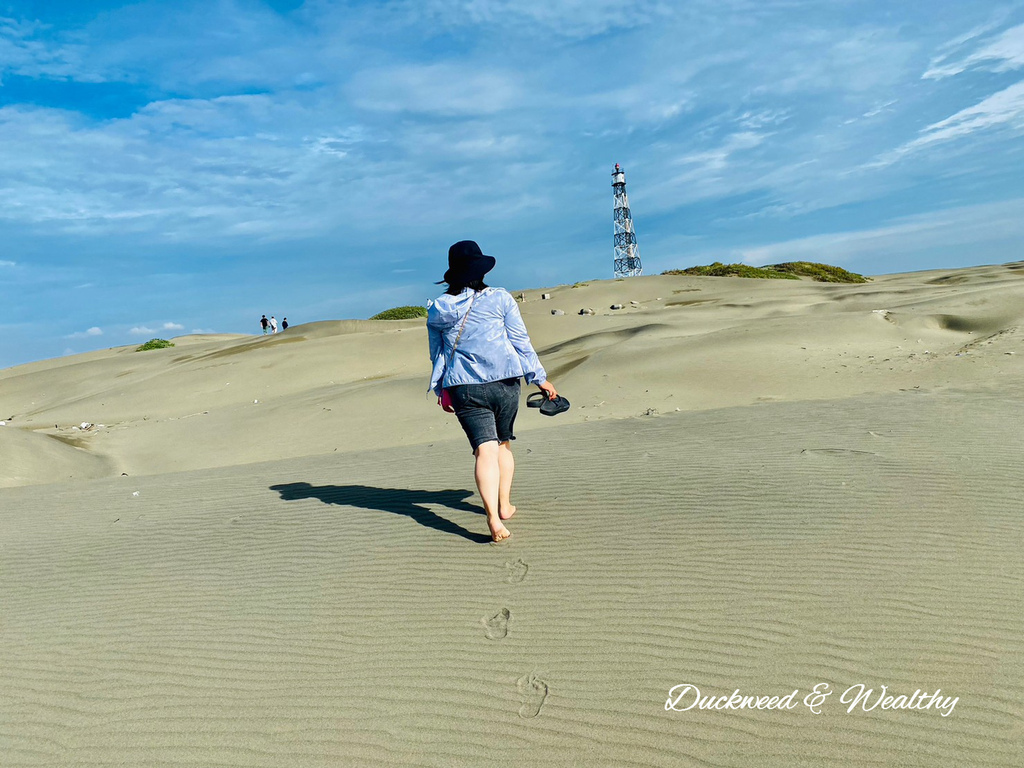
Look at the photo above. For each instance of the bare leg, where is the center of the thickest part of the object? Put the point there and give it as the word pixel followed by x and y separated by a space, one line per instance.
pixel 488 475
pixel 506 469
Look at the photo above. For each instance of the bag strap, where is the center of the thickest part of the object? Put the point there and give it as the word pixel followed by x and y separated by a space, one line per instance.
pixel 451 354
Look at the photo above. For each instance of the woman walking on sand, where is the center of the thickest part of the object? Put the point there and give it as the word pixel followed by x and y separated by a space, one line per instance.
pixel 479 348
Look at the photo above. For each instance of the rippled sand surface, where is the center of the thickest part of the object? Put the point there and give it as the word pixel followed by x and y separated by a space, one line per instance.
pixel 813 513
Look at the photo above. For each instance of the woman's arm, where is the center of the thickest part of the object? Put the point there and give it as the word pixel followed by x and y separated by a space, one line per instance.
pixel 436 341
pixel 515 328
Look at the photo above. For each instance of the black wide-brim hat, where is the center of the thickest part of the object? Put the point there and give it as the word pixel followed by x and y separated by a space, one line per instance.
pixel 466 263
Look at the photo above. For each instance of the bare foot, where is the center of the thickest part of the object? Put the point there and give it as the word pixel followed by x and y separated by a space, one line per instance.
pixel 505 515
pixel 500 534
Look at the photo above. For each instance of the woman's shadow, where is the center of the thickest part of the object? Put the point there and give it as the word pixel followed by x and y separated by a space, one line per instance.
pixel 401 501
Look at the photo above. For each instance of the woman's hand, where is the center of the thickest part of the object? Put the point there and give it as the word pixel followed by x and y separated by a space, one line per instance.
pixel 548 389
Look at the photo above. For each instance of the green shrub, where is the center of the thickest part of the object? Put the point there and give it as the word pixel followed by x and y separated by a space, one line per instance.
pixel 789 270
pixel 401 313
pixel 823 273
pixel 154 344
pixel 718 269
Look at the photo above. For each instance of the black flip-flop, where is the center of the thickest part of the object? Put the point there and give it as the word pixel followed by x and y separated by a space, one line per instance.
pixel 547 407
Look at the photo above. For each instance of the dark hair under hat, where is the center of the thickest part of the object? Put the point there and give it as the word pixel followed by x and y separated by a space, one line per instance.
pixel 466 263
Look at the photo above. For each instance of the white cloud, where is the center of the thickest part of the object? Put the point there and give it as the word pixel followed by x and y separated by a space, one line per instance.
pixel 972 34
pixel 329 146
pixel 877 110
pixel 179 169
pixel 8 263
pixel 449 112
pixel 222 115
pixel 1002 109
pixel 732 164
pixel 947 229
pixel 439 140
pixel 442 89
pixel 340 141
pixel 753 120
pixel 715 160
pixel 1003 53
pixel 24 52
pixel 141 330
pixel 569 18
pixel 94 331
pixel 173 327
pixel 1006 106
pixel 864 62
pixel 185 47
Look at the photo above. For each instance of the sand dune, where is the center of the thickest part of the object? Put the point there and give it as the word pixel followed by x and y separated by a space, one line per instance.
pixel 837 500
pixel 690 343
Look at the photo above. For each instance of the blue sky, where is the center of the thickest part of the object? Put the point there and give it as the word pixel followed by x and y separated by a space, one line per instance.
pixel 170 167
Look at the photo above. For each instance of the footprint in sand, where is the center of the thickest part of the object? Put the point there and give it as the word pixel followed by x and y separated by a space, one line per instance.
pixel 534 692
pixel 516 571
pixel 496 626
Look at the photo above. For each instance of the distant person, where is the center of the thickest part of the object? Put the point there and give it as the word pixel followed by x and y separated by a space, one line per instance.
pixel 273 324
pixel 266 325
pixel 479 348
pixel 284 324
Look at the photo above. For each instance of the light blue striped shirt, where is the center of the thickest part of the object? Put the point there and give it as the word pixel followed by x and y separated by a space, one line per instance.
pixel 494 344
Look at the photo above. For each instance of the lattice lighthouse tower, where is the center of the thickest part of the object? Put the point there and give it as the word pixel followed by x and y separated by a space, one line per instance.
pixel 627 251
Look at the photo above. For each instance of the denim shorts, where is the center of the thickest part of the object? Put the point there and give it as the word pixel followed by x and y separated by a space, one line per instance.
pixel 486 411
